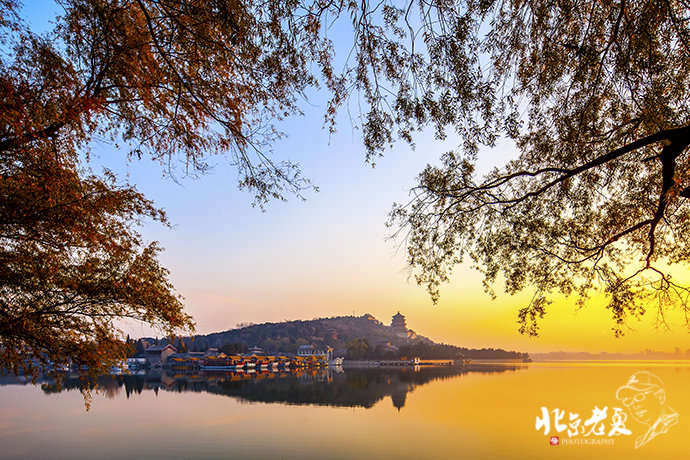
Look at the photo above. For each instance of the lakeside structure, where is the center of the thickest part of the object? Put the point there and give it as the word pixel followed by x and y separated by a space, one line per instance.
pixel 166 356
pixel 414 362
pixel 157 355
pixel 307 355
pixel 310 350
pixel 383 347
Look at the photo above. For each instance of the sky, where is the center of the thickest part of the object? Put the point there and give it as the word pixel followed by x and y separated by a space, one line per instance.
pixel 331 255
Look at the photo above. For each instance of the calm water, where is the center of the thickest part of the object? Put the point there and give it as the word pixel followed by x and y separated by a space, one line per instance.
pixel 481 412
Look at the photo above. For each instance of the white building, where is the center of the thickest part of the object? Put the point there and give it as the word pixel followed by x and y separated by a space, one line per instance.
pixel 309 350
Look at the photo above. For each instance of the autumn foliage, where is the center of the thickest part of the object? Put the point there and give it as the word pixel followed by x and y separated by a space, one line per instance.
pixel 177 81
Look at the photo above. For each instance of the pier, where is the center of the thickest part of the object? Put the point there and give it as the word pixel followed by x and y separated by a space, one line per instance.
pixel 402 362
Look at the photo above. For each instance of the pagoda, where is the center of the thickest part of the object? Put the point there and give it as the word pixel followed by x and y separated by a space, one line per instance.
pixel 398 324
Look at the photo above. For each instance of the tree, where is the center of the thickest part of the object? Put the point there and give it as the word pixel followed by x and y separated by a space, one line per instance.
pixel 595 97
pixel 72 264
pixel 358 348
pixel 234 348
pixel 180 81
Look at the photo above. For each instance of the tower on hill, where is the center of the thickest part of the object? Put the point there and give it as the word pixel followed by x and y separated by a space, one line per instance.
pixel 400 329
pixel 398 324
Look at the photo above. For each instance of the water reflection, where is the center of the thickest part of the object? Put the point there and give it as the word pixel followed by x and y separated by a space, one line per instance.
pixel 323 387
pixel 479 413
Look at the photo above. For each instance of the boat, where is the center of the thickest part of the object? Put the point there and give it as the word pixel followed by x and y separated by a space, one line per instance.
pixel 231 363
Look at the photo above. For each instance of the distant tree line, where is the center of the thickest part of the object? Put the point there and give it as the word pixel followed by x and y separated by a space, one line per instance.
pixel 362 349
pixel 235 348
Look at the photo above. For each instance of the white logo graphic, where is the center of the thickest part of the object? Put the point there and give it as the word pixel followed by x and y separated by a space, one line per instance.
pixel 645 398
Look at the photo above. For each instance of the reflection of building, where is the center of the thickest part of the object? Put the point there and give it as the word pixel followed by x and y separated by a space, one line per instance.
pixel 138 362
pixel 399 327
pixel 398 397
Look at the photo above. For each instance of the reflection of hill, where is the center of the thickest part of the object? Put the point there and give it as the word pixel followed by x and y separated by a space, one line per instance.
pixel 356 388
pixel 353 388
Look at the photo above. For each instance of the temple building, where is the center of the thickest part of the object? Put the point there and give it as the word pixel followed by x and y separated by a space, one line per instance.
pixel 400 327
pixel 157 355
pixel 398 324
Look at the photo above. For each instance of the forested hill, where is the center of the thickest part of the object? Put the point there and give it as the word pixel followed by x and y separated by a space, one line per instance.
pixel 355 337
pixel 287 336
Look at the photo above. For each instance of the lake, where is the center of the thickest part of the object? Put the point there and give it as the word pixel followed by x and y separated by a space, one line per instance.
pixel 482 411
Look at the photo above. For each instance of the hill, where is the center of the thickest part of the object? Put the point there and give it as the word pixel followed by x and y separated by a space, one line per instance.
pixel 355 337
pixel 287 336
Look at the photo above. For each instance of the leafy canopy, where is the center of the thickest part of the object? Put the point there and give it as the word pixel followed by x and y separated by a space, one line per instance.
pixel 178 81
pixel 594 95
